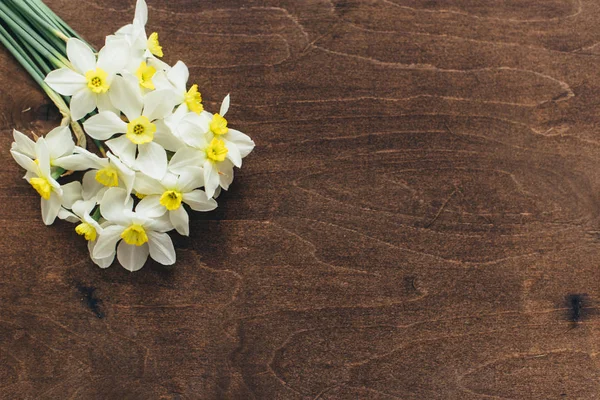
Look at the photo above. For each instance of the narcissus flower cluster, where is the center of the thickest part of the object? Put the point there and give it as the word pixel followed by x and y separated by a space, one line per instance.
pixel 161 154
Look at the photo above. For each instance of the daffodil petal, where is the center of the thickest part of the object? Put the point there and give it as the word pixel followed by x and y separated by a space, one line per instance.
pixel 199 201
pixel 165 138
pixel 80 55
pixel 233 154
pixel 83 207
pixel 90 186
pixel 158 104
pixel 179 75
pixel 184 158
pixel 191 178
pixel 113 57
pixel 150 207
pixel 101 262
pixel 224 106
pixel 146 185
pixel 25 162
pixel 225 174
pixel 104 103
pixel 82 103
pixel 104 125
pixel 180 220
pixel 126 97
pixel 71 193
pixel 42 154
pixel 141 12
pixel 114 205
pixel 50 208
pixel 242 141
pixel 211 178
pixel 123 148
pixel 60 141
pixel 107 240
pixel 23 144
pixel 192 129
pixel 68 216
pixel 132 257
pixel 152 160
pixel 161 248
pixel 65 81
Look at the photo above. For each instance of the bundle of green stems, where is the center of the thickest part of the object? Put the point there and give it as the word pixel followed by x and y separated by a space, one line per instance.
pixel 37 38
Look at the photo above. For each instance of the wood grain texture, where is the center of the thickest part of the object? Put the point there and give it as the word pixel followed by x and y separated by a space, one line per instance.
pixel 423 197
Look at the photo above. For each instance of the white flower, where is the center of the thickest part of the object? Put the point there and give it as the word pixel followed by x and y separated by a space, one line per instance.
pixel 138 234
pixel 59 143
pixel 145 134
pixel 90 82
pixel 143 47
pixel 211 156
pixel 88 227
pixel 103 172
pixel 39 175
pixel 211 145
pixel 169 194
pixel 176 80
pixel 190 127
pixel 238 144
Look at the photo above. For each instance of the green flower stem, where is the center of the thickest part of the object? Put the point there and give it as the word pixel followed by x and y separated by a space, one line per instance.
pixel 24 59
pixel 53 40
pixel 57 173
pixel 43 24
pixel 26 21
pixel 19 53
pixel 42 63
pixel 48 13
pixel 34 8
pixel 96 215
pixel 35 40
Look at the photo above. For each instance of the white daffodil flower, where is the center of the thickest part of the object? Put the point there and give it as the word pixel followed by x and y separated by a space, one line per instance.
pixel 211 156
pixel 190 127
pixel 146 136
pixel 143 47
pixel 139 235
pixel 169 194
pixel 87 227
pixel 103 173
pixel 59 143
pixel 39 175
pixel 238 143
pixel 90 82
pixel 176 80
pixel 211 145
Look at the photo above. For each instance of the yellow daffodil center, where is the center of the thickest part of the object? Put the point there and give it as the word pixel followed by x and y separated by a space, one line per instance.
pixel 154 46
pixel 96 80
pixel 86 230
pixel 134 235
pixel 193 100
pixel 171 199
pixel 218 125
pixel 140 130
pixel 144 74
pixel 139 195
pixel 108 177
pixel 216 150
pixel 42 186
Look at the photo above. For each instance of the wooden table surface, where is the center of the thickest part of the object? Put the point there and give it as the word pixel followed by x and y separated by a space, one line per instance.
pixel 416 221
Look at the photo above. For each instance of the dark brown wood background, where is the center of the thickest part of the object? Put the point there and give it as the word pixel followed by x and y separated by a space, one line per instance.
pixel 423 197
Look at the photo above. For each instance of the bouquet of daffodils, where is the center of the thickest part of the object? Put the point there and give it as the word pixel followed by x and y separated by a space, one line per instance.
pixel 159 153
